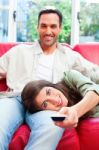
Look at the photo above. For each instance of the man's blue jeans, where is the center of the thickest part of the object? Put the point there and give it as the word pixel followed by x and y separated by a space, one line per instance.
pixel 11 117
pixel 44 134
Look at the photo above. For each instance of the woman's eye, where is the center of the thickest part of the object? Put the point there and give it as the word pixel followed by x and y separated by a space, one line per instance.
pixel 48 91
pixel 44 104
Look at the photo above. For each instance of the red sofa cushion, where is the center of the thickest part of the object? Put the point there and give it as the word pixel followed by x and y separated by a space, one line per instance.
pixel 69 140
pixel 20 138
pixel 88 131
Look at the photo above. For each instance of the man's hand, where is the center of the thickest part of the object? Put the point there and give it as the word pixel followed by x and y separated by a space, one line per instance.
pixel 71 120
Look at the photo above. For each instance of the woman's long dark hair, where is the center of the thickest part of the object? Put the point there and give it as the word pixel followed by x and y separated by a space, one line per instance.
pixel 32 89
pixel 30 92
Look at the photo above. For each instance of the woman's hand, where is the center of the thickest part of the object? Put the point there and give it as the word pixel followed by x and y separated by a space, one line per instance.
pixel 73 113
pixel 71 120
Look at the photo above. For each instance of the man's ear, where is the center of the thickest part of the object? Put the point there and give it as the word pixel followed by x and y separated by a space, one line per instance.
pixel 60 29
pixel 37 28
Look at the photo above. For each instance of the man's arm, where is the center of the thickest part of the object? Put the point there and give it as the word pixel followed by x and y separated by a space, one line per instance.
pixel 3 66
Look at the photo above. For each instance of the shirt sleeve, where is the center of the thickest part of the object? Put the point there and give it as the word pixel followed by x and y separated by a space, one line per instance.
pixel 5 61
pixel 75 80
pixel 3 66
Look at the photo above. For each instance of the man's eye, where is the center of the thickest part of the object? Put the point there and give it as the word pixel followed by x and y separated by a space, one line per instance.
pixel 45 104
pixel 53 26
pixel 43 26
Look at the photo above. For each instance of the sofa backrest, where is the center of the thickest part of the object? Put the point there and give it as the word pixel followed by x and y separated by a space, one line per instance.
pixel 4 47
pixel 90 51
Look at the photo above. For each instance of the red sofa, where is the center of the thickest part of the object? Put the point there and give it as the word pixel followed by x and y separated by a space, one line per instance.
pixel 85 136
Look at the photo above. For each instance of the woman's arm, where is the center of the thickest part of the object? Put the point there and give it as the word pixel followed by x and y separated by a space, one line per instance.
pixel 89 101
pixel 73 113
pixel 89 91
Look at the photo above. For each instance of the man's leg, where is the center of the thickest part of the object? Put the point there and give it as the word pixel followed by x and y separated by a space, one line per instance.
pixel 11 117
pixel 44 134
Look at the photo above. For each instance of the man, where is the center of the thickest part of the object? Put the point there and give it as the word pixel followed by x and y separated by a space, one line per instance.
pixel 45 59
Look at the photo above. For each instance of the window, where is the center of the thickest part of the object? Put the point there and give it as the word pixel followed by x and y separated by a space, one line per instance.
pixel 89 21
pixel 4 12
pixel 18 20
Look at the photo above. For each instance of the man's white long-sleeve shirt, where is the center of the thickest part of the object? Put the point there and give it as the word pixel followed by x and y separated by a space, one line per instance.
pixel 19 65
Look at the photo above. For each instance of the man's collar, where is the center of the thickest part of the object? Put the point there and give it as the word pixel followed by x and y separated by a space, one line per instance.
pixel 39 50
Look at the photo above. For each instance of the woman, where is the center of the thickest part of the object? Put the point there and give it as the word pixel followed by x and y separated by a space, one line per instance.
pixel 75 90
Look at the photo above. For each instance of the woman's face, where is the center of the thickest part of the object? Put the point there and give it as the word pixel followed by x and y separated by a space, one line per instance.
pixel 50 98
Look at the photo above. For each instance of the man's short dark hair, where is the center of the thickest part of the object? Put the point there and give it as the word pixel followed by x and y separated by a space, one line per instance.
pixel 49 11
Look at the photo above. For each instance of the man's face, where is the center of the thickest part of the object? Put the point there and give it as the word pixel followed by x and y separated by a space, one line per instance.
pixel 48 29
